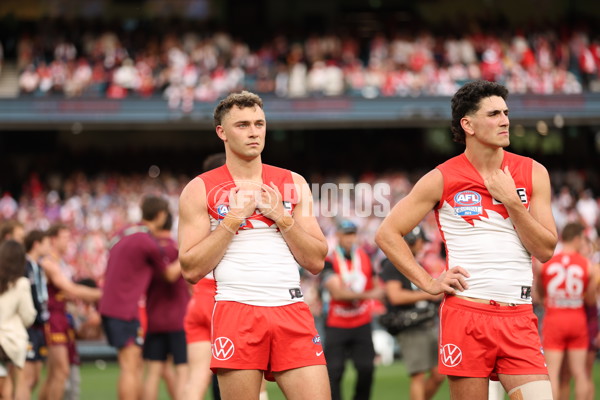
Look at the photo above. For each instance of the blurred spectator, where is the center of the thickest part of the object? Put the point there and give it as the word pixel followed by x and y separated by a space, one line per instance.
pixel 16 308
pixel 588 209
pixel 12 230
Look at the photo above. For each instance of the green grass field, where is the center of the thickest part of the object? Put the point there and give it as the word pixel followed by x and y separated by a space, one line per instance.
pixel 391 383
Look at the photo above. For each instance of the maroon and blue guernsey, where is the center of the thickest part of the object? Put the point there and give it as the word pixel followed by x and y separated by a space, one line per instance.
pixel 133 259
pixel 166 302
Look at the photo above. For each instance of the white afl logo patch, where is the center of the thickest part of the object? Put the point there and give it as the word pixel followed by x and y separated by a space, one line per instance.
pixel 223 348
pixel 467 198
pixel 450 355
pixel 467 203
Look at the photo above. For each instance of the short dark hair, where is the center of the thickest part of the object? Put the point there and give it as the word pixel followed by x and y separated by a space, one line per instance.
pixel 33 237
pixel 8 228
pixel 12 263
pixel 466 101
pixel 56 228
pixel 213 161
pixel 168 225
pixel 571 231
pixel 152 205
pixel 242 99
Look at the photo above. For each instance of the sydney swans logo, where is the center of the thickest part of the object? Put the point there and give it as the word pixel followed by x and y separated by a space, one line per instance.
pixel 223 348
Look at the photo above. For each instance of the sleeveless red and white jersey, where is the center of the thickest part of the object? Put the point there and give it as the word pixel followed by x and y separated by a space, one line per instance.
pixel 258 267
pixel 479 234
pixel 565 278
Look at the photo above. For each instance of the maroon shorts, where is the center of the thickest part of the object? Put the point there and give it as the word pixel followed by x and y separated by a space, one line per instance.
pixel 270 339
pixel 479 339
pixel 59 332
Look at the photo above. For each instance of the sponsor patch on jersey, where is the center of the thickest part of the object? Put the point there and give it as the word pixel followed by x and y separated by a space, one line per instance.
pixel 222 209
pixel 522 192
pixel 467 202
pixel 316 339
pixel 525 292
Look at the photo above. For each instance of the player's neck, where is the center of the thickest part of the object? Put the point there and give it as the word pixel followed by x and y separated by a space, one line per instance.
pixel 485 159
pixel 569 248
pixel 250 170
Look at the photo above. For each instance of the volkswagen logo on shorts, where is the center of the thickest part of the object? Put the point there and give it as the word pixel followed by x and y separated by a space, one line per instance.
pixel 223 348
pixel 450 355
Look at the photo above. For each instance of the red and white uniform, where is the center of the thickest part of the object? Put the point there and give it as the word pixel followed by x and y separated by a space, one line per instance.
pixel 197 321
pixel 479 235
pixel 258 267
pixel 260 320
pixel 565 278
pixel 477 339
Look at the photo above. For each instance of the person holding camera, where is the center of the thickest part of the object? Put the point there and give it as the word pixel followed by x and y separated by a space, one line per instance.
pixel 412 316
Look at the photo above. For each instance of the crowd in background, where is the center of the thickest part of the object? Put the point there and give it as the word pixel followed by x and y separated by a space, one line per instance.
pixel 187 65
pixel 96 207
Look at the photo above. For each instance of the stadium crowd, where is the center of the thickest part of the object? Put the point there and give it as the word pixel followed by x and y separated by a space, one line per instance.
pixel 185 64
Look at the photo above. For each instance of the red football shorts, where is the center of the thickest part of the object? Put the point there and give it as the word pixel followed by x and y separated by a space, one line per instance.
pixel 199 312
pixel 479 339
pixel 565 329
pixel 270 339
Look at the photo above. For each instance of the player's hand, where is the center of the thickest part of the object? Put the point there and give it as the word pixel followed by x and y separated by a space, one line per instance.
pixel 450 281
pixel 242 201
pixel 435 297
pixel 501 186
pixel 270 202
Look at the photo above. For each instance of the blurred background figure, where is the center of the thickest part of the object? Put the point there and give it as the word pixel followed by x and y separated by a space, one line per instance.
pixel 167 298
pixel 12 230
pixel 16 308
pixel 37 246
pixel 352 284
pixel 63 357
pixel 567 282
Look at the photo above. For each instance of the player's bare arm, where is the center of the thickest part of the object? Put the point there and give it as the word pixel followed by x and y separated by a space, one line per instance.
pixel 535 228
pixel 592 288
pixel 172 272
pixel 200 250
pixel 398 296
pixel 405 215
pixel 301 230
pixel 71 289
pixel 539 291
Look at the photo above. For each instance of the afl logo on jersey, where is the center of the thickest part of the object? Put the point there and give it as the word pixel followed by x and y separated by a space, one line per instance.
pixel 222 209
pixel 467 203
